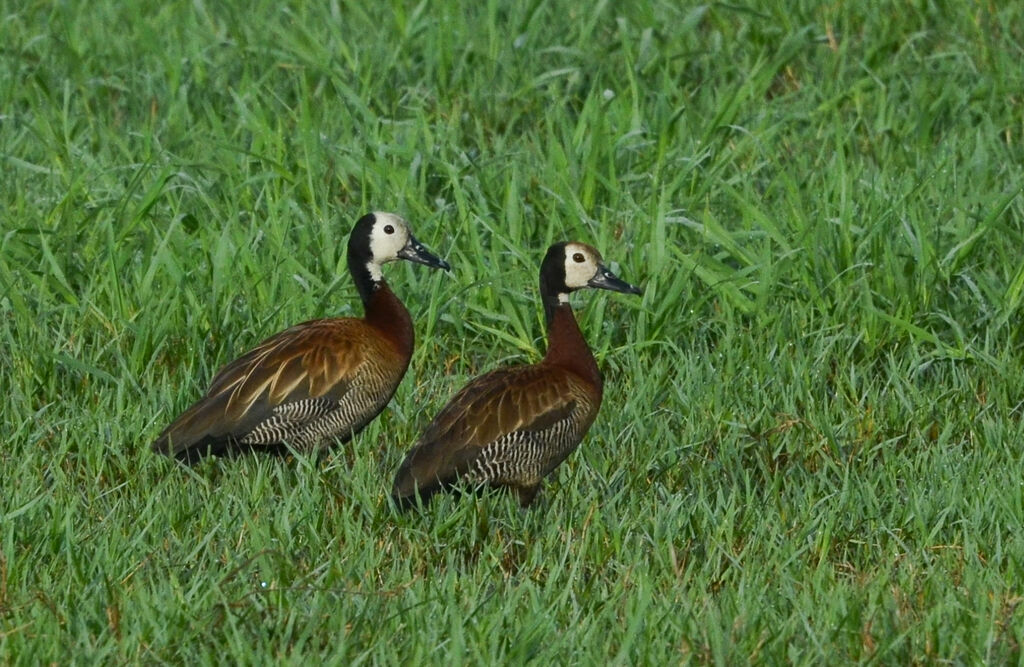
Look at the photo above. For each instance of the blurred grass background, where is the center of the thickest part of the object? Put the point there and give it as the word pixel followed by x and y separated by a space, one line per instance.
pixel 810 446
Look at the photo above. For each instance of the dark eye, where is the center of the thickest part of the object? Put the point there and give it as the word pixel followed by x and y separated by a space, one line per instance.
pixel 388 229
pixel 578 257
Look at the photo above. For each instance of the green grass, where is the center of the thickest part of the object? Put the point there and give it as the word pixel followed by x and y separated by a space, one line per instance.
pixel 810 448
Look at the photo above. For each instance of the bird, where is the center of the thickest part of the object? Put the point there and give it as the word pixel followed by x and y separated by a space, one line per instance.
pixel 318 380
pixel 514 425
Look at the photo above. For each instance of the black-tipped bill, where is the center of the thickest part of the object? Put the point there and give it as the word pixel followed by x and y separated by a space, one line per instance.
pixel 415 252
pixel 605 279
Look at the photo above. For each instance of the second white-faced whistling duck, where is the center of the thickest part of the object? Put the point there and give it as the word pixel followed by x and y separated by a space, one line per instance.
pixel 513 426
pixel 318 380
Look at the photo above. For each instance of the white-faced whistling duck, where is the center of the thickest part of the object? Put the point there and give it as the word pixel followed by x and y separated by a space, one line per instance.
pixel 318 380
pixel 513 426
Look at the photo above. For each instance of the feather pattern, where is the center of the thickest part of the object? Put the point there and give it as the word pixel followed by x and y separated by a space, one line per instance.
pixel 510 427
pixel 305 385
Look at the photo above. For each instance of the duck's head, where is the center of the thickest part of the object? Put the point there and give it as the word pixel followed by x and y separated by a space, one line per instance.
pixel 570 266
pixel 379 238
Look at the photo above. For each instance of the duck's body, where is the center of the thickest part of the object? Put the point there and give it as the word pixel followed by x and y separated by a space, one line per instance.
pixel 318 380
pixel 513 426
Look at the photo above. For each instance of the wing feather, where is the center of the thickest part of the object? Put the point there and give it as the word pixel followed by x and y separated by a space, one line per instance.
pixel 488 409
pixel 312 360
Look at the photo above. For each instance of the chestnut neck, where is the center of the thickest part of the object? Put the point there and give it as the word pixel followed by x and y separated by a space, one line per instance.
pixel 566 346
pixel 386 314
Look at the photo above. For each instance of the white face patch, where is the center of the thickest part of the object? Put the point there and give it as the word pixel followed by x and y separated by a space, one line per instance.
pixel 389 235
pixel 581 265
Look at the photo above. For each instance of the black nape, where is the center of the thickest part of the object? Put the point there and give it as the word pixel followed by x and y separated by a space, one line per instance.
pixel 552 279
pixel 359 253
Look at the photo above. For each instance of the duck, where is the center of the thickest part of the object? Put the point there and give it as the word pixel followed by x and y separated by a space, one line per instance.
pixel 318 381
pixel 512 426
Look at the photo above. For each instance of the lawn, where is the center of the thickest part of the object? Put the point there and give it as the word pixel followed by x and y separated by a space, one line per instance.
pixel 811 445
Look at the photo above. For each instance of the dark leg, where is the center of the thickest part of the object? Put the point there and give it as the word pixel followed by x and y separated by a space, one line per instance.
pixel 527 494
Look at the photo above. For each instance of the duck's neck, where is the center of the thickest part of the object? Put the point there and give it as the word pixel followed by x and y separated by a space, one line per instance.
pixel 386 314
pixel 567 347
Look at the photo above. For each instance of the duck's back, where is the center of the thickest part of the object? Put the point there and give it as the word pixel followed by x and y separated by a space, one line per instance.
pixel 509 427
pixel 311 382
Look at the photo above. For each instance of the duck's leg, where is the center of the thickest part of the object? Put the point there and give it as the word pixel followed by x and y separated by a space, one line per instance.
pixel 527 494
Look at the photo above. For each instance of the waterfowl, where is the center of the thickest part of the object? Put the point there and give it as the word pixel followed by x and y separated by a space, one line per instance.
pixel 512 426
pixel 322 379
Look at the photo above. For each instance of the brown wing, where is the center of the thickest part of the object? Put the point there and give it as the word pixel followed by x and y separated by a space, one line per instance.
pixel 518 400
pixel 319 359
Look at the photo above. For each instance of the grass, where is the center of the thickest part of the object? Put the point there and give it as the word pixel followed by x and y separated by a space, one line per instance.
pixel 810 445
